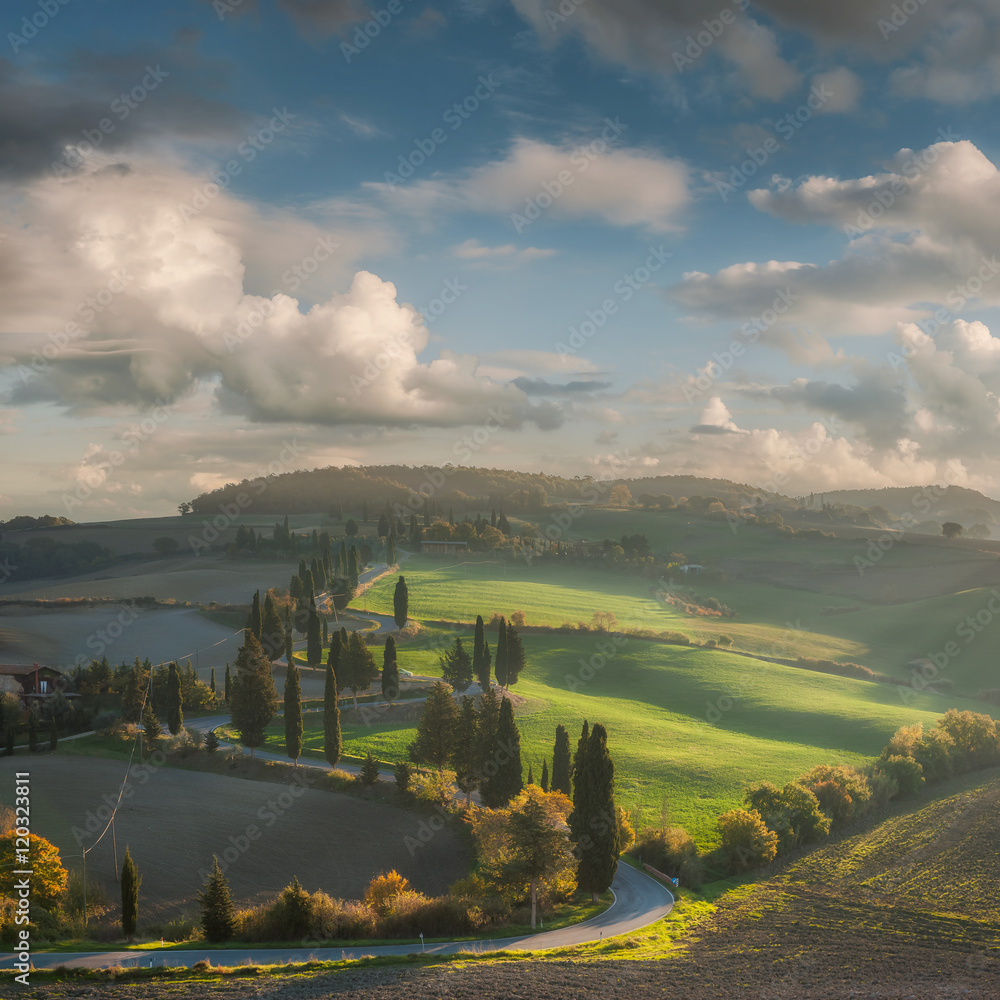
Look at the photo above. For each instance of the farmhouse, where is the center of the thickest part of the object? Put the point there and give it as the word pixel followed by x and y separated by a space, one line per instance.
pixel 443 548
pixel 37 683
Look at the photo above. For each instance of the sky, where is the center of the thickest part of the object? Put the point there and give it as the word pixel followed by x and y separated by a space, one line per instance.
pixel 755 241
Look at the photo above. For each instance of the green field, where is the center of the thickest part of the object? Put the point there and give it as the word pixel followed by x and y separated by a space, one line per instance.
pixel 687 726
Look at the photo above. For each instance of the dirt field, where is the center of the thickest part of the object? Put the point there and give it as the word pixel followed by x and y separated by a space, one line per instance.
pixel 182 578
pixel 265 834
pixel 117 631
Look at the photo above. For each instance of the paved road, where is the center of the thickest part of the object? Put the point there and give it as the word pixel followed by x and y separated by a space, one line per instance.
pixel 639 901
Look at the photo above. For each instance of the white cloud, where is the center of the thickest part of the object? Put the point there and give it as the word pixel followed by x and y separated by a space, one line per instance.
pixel 184 315
pixel 594 180
pixel 507 254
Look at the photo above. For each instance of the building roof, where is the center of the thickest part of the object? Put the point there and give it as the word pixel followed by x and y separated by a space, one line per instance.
pixel 22 669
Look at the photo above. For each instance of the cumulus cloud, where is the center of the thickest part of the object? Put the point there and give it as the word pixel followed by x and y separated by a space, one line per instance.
pixel 170 312
pixel 595 180
pixel 925 231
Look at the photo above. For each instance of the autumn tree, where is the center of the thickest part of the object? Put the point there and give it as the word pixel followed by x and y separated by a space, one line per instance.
pixel 48 876
pixel 746 842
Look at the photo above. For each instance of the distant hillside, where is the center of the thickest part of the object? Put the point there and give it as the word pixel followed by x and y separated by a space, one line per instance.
pixel 454 487
pixel 938 503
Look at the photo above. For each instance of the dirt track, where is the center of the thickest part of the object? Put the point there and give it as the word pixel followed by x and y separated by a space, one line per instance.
pixel 177 820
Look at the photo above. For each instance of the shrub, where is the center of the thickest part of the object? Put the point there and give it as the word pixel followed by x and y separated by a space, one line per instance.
pixel 435 787
pixel 403 771
pixel 792 812
pixel 843 792
pixel 746 842
pixel 383 889
pixel 974 736
pixel 672 851
pixel 905 771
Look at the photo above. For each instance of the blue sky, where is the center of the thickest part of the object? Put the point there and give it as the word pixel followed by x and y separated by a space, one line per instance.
pixel 752 240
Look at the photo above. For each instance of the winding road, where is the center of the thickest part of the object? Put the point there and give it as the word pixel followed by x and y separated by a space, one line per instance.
pixel 639 901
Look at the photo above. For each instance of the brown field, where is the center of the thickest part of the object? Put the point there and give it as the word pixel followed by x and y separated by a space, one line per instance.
pixel 176 821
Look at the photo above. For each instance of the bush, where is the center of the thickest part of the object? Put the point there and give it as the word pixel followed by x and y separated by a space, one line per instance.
pixel 792 812
pixel 843 792
pixel 383 889
pixel 403 772
pixel 905 771
pixel 672 851
pixel 746 842
pixel 434 787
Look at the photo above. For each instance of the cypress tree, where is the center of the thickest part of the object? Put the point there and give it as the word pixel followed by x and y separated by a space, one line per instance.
pixel 255 618
pixel 595 821
pixel 516 660
pixel 465 750
pixel 579 759
pixel 151 730
pixel 227 684
pixel 212 684
pixel 353 567
pixel 561 762
pixel 500 666
pixel 400 603
pixel 175 711
pixel 436 730
pixel 218 917
pixel 360 669
pixel 390 551
pixel 487 662
pixel 272 634
pixel 488 724
pixel 506 780
pixel 456 666
pixel 314 647
pixel 479 667
pixel 332 742
pixel 531 775
pixel 545 775
pixel 254 698
pixel 289 644
pixel 390 671
pixel 131 881
pixel 334 654
pixel 293 714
